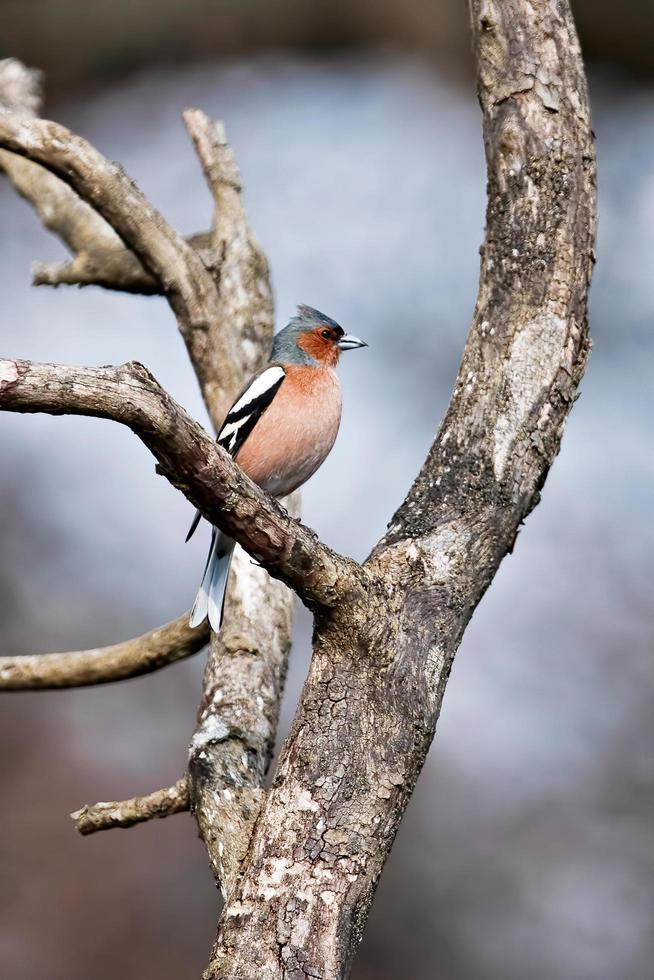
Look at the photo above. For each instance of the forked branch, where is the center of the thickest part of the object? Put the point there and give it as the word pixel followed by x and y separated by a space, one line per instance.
pixel 250 657
pixel 186 283
pixel 371 700
pixel 107 188
pixel 99 256
pixel 299 889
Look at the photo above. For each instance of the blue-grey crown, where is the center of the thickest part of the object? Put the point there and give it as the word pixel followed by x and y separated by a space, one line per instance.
pixel 285 348
pixel 314 318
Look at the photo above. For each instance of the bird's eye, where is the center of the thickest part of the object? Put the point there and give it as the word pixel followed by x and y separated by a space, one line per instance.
pixel 326 334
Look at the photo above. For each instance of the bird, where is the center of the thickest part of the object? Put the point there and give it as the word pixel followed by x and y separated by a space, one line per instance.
pixel 279 430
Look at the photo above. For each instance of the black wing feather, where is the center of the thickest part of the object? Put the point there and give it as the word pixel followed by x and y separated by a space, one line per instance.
pixel 250 413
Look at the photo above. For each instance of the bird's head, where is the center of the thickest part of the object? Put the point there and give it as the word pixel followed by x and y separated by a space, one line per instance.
pixel 312 338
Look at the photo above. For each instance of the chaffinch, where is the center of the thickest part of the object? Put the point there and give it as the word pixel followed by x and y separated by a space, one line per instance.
pixel 279 430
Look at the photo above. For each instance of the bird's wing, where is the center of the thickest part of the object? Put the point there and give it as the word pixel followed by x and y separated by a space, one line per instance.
pixel 245 413
pixel 249 407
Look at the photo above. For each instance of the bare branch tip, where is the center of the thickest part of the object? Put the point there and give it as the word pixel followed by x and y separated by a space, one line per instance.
pixel 214 152
pixel 48 273
pixel 91 818
pixel 198 121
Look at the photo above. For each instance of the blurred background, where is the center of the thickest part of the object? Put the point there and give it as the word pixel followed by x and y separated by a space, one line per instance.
pixel 528 850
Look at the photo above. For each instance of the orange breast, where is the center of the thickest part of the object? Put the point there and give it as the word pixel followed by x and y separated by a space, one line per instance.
pixel 296 433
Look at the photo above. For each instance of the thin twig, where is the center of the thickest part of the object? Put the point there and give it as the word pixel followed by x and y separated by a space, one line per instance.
pixel 214 152
pixel 80 668
pixel 91 818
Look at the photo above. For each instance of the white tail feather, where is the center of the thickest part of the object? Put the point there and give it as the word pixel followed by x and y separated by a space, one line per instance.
pixel 211 594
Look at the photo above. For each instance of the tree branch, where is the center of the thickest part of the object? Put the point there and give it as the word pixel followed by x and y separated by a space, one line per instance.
pixel 20 87
pixel 249 659
pixel 237 721
pixel 217 159
pixel 115 269
pixel 380 664
pixel 80 668
pixel 126 813
pixel 256 651
pixel 92 241
pixel 108 189
pixel 191 460
pixel 239 267
pixel 528 345
pixel 186 283
pixel 100 258
pixel 233 742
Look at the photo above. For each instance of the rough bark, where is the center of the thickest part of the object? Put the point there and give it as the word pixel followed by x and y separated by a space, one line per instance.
pixel 127 813
pixel 234 292
pixel 385 633
pixel 201 308
pixel 381 661
pixel 191 460
pixel 237 722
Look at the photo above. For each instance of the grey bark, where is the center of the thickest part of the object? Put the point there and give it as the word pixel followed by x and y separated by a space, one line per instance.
pixel 382 658
pixel 234 739
pixel 127 813
pixel 218 286
pixel 308 853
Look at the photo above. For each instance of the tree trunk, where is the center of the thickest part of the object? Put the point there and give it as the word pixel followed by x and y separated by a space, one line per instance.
pixel 299 864
pixel 382 658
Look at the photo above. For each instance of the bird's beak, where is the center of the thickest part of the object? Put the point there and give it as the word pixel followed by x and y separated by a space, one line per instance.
pixel 348 342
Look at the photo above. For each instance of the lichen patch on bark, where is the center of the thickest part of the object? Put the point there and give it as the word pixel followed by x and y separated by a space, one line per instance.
pixel 533 363
pixel 8 373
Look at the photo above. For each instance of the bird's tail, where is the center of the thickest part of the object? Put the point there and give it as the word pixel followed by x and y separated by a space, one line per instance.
pixel 211 594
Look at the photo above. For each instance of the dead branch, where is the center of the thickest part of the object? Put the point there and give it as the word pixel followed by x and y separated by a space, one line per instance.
pixel 191 460
pixel 379 670
pixel 217 158
pixel 115 269
pixel 238 267
pixel 385 636
pixel 187 285
pixel 104 665
pixel 91 818
pixel 20 87
pixel 100 258
pixel 111 193
pixel 234 738
pixel 60 210
pixel 243 682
